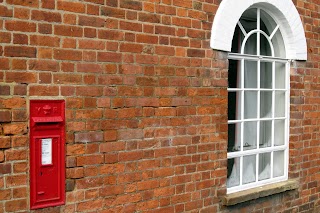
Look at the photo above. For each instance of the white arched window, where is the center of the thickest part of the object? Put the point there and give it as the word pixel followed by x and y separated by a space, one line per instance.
pixel 262 44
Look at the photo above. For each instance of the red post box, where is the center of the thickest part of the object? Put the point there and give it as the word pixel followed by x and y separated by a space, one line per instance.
pixel 47 154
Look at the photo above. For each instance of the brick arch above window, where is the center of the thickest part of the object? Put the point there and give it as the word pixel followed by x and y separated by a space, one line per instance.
pixel 284 12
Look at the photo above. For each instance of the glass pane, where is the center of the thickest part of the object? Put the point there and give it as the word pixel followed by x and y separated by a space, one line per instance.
pixel 278 164
pixel 267 24
pixel 278 44
pixel 265 104
pixel 265 48
pixel 249 169
pixel 251 45
pixel 233 176
pixel 249 135
pixel 280 78
pixel 250 104
pixel 264 166
pixel 279 132
pixel 265 134
pixel 249 20
pixel 234 74
pixel 280 105
pixel 237 40
pixel 234 105
pixel 234 136
pixel 250 74
pixel 266 75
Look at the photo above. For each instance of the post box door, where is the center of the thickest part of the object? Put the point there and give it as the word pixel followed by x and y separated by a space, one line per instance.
pixel 47 164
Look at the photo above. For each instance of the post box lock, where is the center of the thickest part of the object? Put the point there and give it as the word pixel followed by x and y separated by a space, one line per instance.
pixel 47 157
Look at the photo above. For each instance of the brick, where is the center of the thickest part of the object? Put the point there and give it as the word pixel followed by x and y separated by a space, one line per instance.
pixel 16 205
pixel 15 154
pixel 130 134
pixel 147 39
pixel 45 28
pixel 112 146
pixel 71 55
pixel 147 17
pixel 5 169
pixel 90 160
pixel 24 3
pixel 16 180
pixel 71 31
pixel 44 90
pixel 91 21
pixel 89 137
pixel 111 35
pixel 195 53
pixel 20 51
pixel 112 12
pixel 109 57
pixel 20 167
pixel 5 116
pixel 66 78
pixel 90 205
pixel 47 41
pixel 50 4
pixel 1 158
pixel 46 16
pixel 21 77
pixel 22 13
pixel 44 65
pixel 5 37
pixel 112 168
pixel 76 7
pixel 5 194
pixel 12 103
pixel 14 128
pixel 20 39
pixel 5 11
pixel 21 26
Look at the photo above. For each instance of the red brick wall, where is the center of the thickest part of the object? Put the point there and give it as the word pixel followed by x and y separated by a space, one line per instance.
pixel 146 105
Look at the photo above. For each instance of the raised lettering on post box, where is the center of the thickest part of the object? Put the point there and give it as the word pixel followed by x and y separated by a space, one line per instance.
pixel 47 157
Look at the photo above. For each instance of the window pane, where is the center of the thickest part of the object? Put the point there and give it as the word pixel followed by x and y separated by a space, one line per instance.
pixel 249 19
pixel 265 104
pixel 234 137
pixel 234 105
pixel 265 48
pixel 278 44
pixel 266 75
pixel 249 169
pixel 234 74
pixel 278 164
pixel 267 24
pixel 264 166
pixel 249 135
pixel 280 78
pixel 251 45
pixel 250 104
pixel 279 132
pixel 280 104
pixel 265 134
pixel 233 176
pixel 250 74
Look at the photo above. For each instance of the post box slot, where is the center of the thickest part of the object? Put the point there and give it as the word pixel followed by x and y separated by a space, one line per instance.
pixel 55 119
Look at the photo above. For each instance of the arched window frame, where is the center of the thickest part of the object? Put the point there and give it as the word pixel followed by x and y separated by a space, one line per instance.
pixel 289 23
pixel 283 12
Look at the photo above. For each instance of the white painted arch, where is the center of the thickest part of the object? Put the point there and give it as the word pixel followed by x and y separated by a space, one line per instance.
pixel 283 12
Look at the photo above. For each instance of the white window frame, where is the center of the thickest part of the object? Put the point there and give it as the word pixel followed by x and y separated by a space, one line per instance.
pixel 241 57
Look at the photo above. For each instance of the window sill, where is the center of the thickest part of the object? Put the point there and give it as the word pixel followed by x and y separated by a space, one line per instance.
pixel 263 191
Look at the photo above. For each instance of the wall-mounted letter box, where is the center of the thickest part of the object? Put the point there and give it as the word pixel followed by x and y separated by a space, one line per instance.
pixel 47 155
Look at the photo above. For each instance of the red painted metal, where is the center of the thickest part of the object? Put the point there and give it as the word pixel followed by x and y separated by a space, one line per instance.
pixel 47 153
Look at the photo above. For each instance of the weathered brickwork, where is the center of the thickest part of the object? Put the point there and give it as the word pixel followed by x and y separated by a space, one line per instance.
pixel 146 105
